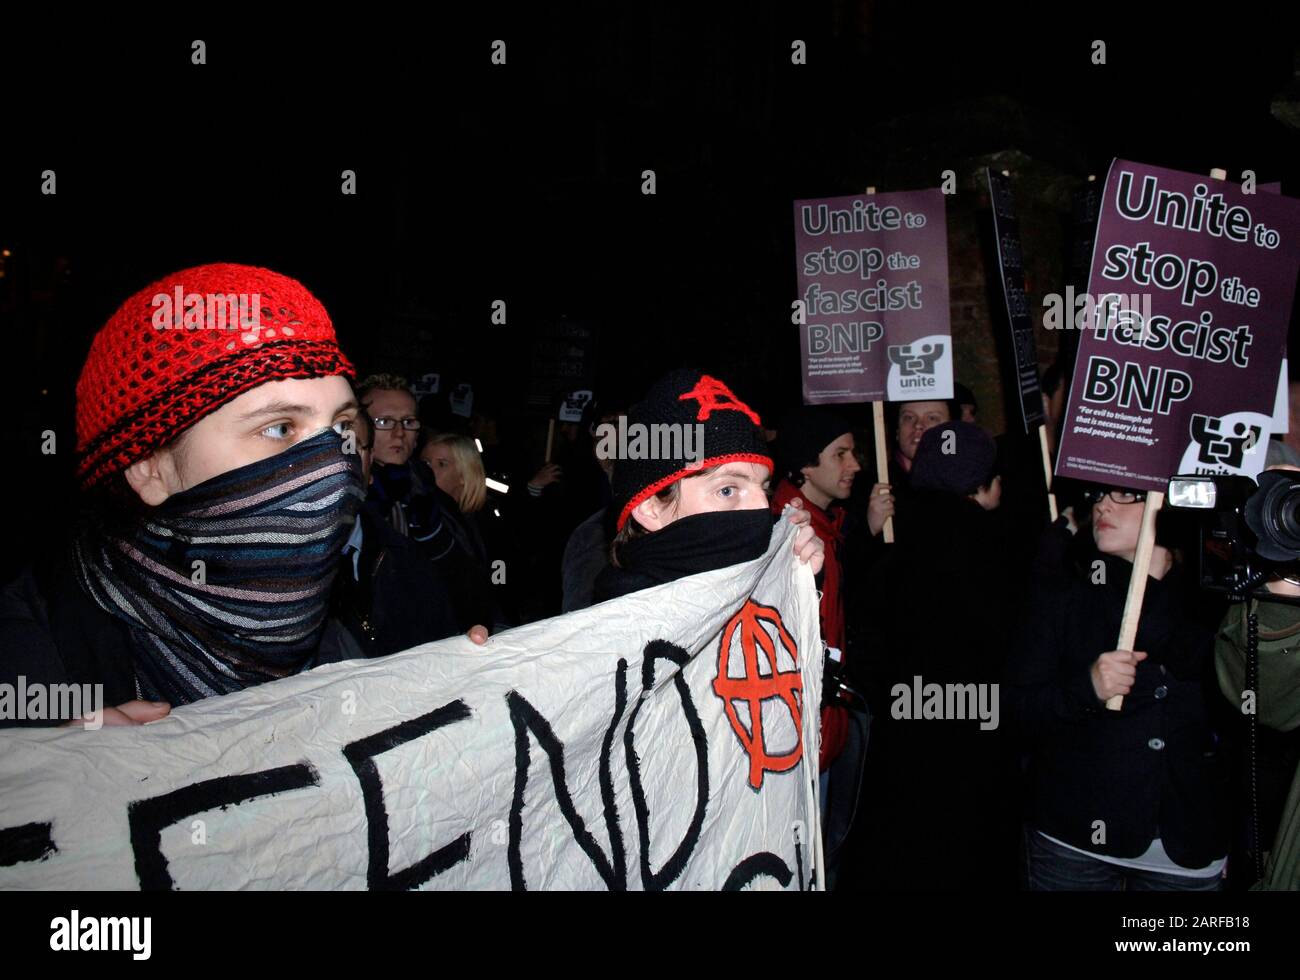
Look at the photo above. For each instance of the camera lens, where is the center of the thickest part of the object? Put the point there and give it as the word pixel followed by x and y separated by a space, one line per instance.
pixel 1289 512
pixel 1273 513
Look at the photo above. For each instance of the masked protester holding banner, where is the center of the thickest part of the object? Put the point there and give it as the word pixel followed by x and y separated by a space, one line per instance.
pixel 1130 799
pixel 220 495
pixel 703 504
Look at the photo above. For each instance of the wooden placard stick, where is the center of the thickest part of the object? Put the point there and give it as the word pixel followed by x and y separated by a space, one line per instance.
pixel 1047 471
pixel 882 460
pixel 882 456
pixel 1137 585
pixel 550 438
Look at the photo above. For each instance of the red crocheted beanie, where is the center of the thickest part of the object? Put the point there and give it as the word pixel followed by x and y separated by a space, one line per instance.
pixel 184 346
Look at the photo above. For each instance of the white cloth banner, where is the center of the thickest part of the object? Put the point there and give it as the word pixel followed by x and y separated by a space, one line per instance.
pixel 667 739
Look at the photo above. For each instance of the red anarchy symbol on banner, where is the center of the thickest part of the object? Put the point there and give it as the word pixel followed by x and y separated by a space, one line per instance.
pixel 709 392
pixel 755 686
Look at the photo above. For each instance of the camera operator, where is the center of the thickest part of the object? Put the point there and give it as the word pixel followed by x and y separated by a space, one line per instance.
pixel 1130 799
pixel 1276 703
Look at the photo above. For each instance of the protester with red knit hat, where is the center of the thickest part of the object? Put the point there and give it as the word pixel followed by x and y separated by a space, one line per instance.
pixel 681 516
pixel 212 411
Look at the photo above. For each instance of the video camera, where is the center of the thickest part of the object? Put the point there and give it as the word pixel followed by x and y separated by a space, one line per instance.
pixel 1248 533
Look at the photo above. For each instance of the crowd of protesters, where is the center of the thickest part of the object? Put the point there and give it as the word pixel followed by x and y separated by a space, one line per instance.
pixel 328 518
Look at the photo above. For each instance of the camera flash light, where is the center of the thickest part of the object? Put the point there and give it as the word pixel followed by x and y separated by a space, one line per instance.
pixel 1192 491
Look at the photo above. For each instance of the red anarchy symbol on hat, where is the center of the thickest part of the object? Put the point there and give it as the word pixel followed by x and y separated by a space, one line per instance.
pixel 709 392
pixel 754 686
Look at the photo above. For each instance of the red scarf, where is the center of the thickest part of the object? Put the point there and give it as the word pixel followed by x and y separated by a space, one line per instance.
pixel 834 719
pixel 830 528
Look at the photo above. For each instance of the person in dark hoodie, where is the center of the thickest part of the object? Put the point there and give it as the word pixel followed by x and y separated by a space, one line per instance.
pixel 680 515
pixel 218 495
pixel 1131 799
pixel 387 596
pixel 940 605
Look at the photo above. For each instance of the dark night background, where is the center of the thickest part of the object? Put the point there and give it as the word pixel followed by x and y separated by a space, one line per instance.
pixel 523 183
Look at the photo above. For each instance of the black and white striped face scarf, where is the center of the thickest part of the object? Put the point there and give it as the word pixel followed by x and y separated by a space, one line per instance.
pixel 226 584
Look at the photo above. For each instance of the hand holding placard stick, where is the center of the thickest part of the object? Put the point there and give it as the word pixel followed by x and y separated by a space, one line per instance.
pixel 1137 585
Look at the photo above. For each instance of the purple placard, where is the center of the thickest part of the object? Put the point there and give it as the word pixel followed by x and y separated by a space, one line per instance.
pixel 1282 407
pixel 873 276
pixel 1177 372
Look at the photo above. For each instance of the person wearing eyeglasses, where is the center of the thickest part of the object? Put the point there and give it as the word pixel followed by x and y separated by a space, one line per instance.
pixel 401 485
pixel 388 400
pixel 387 596
pixel 1131 799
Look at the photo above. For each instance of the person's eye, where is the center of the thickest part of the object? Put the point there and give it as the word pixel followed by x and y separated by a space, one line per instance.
pixel 343 425
pixel 724 491
pixel 278 431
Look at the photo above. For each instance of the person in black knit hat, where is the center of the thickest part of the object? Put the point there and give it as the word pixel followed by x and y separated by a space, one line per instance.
pixel 700 501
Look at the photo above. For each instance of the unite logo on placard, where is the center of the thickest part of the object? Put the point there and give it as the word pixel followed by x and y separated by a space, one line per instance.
pixel 920 370
pixel 912 362
pixel 764 670
pixel 1232 443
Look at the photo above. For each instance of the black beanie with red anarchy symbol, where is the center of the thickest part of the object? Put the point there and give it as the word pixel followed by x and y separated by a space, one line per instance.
pixel 731 432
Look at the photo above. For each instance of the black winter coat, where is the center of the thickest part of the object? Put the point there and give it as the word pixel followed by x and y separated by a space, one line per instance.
pixel 938 811
pixel 1156 768
pixel 400 599
pixel 52 632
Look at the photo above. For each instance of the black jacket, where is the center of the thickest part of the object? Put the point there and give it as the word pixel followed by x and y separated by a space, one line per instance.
pixel 1156 768
pixel 939 812
pixel 938 601
pixel 470 565
pixel 399 600
pixel 52 632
